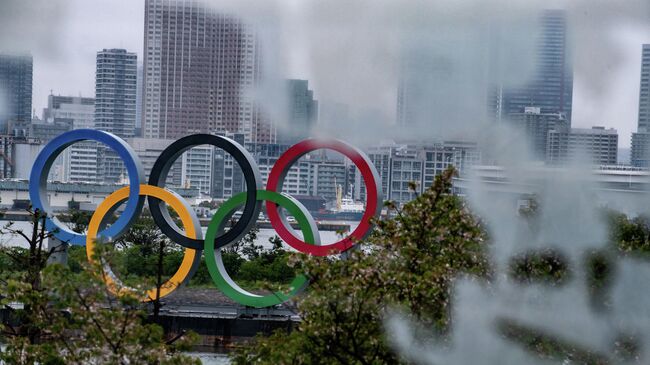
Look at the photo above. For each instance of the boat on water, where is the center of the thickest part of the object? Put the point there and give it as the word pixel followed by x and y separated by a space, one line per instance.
pixel 343 208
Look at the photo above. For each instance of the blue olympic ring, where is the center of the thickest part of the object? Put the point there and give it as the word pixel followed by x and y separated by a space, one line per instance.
pixel 44 161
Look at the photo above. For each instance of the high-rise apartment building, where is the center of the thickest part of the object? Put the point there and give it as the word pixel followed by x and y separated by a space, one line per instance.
pixel 644 92
pixel 550 86
pixel 115 105
pixel 640 154
pixel 80 159
pixel 200 68
pixel 15 89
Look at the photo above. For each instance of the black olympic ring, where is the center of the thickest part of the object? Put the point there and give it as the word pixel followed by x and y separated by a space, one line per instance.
pixel 251 174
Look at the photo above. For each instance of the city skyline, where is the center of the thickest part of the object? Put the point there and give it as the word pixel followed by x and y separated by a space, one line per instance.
pixel 66 76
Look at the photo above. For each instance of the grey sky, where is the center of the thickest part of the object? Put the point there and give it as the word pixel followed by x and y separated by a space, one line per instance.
pixel 64 36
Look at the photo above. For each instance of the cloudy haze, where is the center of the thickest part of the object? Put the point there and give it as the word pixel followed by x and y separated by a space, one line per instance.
pixel 348 50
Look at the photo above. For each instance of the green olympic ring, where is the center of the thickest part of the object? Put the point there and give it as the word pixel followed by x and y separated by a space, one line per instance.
pixel 214 260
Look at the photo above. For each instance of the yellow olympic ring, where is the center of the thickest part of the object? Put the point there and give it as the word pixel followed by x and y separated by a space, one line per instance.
pixel 174 201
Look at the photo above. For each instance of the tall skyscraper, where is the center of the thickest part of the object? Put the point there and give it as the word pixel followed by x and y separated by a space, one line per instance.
pixel 550 87
pixel 644 92
pixel 15 89
pixel 640 155
pixel 115 105
pixel 199 69
pixel 80 159
pixel 302 112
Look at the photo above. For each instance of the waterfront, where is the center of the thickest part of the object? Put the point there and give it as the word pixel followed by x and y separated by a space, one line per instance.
pixel 263 235
pixel 211 358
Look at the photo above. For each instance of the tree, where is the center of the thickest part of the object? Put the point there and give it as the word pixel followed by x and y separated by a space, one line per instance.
pixel 70 317
pixel 409 263
pixel 32 261
pixel 80 321
pixel 145 242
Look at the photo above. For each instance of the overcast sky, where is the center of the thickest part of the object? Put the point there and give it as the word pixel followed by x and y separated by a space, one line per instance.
pixel 64 36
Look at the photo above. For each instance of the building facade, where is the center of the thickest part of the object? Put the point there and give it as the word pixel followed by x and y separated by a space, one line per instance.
pixel 15 103
pixel 302 113
pixel 550 87
pixel 640 154
pixel 407 169
pixel 80 158
pixel 597 146
pixel 200 67
pixel 535 126
pixel 115 105
pixel 15 89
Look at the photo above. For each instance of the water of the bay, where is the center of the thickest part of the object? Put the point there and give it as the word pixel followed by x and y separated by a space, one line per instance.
pixel 263 235
pixel 211 358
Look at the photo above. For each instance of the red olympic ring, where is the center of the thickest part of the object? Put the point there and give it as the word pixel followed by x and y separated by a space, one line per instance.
pixel 373 195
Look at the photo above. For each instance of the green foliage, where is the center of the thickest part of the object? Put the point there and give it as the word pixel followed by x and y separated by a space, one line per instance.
pixel 409 262
pixel 546 266
pixel 80 322
pixel 10 261
pixel 66 315
pixel 77 257
pixel 136 259
pixel 549 347
pixel 629 235
pixel 269 267
pixel 78 220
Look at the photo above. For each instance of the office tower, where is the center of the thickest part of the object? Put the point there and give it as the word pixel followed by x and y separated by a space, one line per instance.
pixel 640 154
pixel 138 102
pixel 115 104
pixel 535 125
pixel 550 87
pixel 595 145
pixel 80 159
pixel 200 69
pixel 644 92
pixel 15 103
pixel 302 112
pixel 15 89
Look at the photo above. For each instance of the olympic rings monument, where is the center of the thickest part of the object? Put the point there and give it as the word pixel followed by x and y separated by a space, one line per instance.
pixel 216 238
